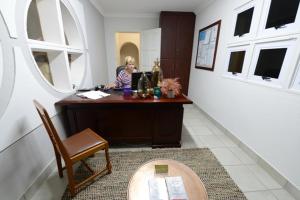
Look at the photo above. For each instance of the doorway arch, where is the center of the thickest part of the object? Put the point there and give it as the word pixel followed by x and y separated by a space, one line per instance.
pixel 129 49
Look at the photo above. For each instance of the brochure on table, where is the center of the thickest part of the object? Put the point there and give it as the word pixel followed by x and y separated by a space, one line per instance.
pixel 167 188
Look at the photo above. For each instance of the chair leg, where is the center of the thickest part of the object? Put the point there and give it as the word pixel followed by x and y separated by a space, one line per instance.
pixel 71 179
pixel 108 164
pixel 59 166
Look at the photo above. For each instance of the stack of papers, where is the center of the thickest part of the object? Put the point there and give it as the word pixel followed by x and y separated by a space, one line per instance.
pixel 168 188
pixel 93 94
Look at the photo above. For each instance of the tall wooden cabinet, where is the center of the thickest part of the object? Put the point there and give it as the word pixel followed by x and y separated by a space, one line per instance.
pixel 177 33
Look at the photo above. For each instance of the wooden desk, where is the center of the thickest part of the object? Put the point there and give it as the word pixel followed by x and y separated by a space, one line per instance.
pixel 138 186
pixel 127 120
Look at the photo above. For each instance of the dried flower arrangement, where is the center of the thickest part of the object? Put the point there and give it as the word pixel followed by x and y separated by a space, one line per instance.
pixel 171 85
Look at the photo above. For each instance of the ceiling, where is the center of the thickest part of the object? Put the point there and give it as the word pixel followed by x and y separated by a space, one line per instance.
pixel 146 7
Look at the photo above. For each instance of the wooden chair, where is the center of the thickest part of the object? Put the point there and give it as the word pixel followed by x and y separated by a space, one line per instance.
pixel 73 149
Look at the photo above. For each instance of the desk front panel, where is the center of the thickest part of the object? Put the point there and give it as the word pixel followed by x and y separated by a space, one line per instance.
pixel 115 123
pixel 127 120
pixel 159 125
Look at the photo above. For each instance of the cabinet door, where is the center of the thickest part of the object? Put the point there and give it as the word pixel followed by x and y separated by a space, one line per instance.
pixel 167 126
pixel 185 35
pixel 184 48
pixel 177 45
pixel 168 25
pixel 168 67
pixel 182 71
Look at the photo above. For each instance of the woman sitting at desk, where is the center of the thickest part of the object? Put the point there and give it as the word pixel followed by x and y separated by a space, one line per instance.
pixel 124 77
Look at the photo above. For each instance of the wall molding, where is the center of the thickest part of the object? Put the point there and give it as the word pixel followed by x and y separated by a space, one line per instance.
pixel 205 5
pixel 98 7
pixel 5 9
pixel 45 173
pixel 23 136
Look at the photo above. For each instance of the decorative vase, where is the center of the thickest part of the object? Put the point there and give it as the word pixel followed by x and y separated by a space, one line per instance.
pixel 144 87
pixel 157 75
pixel 170 94
pixel 157 93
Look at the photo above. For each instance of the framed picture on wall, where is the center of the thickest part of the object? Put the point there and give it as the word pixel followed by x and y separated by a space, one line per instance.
pixel 207 46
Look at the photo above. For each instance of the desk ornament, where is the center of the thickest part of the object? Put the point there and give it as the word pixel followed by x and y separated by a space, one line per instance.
pixel 144 86
pixel 171 87
pixel 157 74
pixel 127 91
pixel 156 93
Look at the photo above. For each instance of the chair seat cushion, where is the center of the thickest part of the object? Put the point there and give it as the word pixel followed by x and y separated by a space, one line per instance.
pixel 82 141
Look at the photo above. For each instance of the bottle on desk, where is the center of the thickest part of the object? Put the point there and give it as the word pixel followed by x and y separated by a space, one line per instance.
pixel 157 74
pixel 144 86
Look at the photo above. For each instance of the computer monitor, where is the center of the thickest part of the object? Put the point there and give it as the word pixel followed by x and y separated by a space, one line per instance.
pixel 135 76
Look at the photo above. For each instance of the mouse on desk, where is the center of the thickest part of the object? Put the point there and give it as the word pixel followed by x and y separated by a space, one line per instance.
pixel 99 87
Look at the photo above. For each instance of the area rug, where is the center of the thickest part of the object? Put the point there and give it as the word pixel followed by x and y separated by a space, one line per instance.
pixel 218 183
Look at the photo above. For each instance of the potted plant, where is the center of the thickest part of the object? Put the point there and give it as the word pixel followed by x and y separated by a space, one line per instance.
pixel 170 87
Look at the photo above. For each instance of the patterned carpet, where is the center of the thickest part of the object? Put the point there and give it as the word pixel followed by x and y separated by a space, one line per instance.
pixel 218 184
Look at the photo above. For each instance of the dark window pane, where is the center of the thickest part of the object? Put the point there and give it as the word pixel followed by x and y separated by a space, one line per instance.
pixel 270 62
pixel 34 29
pixel 42 61
pixel 236 61
pixel 282 12
pixel 243 22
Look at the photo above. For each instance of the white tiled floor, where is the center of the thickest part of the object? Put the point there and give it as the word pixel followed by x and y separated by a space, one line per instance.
pixel 199 131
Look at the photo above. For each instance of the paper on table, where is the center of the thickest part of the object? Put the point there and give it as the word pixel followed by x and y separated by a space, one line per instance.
pixel 93 94
pixel 157 189
pixel 176 188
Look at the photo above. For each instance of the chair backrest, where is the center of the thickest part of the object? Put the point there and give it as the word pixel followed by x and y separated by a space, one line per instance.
pixel 119 69
pixel 54 137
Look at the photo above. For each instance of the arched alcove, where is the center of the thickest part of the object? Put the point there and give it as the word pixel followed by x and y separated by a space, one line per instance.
pixel 129 49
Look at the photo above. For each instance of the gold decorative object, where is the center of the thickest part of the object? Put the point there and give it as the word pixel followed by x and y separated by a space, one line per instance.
pixel 144 86
pixel 157 74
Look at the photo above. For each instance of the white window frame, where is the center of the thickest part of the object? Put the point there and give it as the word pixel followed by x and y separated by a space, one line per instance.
pixel 257 5
pixel 283 43
pixel 247 60
pixel 295 86
pixel 8 73
pixel 1 64
pixel 65 78
pixel 271 32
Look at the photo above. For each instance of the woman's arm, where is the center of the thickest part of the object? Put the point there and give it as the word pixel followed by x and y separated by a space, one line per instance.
pixel 119 83
pixel 109 86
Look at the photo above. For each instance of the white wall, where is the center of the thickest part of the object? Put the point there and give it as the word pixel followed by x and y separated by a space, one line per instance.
pixel 25 149
pixel 266 119
pixel 125 24
pixel 93 25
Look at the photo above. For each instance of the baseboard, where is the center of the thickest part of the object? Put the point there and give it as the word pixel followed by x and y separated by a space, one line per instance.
pixel 32 189
pixel 284 182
